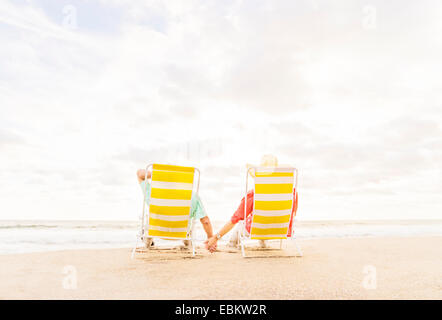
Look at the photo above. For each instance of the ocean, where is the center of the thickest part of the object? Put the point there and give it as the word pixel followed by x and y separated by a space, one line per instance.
pixel 38 236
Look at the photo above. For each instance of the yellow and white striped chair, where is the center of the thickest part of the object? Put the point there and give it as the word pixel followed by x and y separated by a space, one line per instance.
pixel 168 216
pixel 272 205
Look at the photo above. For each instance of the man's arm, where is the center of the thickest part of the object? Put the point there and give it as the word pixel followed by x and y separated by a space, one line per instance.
pixel 207 225
pixel 141 174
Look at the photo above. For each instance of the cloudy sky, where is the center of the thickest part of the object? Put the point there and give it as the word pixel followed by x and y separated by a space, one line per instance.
pixel 348 92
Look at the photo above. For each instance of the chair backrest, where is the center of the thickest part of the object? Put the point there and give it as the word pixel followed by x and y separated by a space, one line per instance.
pixel 170 201
pixel 273 201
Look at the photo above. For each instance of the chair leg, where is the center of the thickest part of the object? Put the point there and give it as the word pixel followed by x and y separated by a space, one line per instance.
pixel 242 247
pixel 190 235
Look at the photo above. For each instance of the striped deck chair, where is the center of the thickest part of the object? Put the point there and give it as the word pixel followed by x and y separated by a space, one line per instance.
pixel 168 216
pixel 272 207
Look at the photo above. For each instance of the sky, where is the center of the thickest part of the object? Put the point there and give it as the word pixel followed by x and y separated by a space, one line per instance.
pixel 350 93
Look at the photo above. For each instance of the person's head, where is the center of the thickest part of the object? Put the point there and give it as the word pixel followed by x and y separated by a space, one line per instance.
pixel 269 160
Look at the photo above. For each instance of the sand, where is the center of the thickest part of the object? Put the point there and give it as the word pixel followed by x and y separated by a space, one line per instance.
pixel 361 268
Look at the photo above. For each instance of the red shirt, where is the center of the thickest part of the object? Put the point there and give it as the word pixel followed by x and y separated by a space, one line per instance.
pixel 239 213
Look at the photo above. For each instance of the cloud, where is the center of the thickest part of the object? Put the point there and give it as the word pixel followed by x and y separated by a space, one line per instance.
pixel 216 85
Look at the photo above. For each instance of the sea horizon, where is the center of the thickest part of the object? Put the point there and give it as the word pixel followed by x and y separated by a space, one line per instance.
pixel 23 236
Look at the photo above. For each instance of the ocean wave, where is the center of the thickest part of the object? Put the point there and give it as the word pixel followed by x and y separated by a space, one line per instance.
pixel 86 227
pixel 27 226
pixel 33 236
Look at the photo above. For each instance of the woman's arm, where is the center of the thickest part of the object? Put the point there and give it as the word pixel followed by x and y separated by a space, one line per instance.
pixel 211 242
pixel 237 216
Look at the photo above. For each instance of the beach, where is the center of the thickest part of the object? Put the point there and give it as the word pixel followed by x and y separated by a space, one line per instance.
pixel 347 268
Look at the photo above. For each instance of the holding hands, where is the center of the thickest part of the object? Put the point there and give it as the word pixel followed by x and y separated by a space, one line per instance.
pixel 211 243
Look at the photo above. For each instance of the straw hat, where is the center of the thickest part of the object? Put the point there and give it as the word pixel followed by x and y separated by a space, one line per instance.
pixel 267 160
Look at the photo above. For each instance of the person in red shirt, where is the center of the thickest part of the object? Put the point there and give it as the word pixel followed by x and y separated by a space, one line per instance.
pixel 211 243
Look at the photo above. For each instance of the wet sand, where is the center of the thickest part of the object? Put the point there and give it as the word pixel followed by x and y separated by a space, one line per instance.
pixel 359 268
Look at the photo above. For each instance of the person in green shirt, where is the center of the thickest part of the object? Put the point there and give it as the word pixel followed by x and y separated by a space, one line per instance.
pixel 197 209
